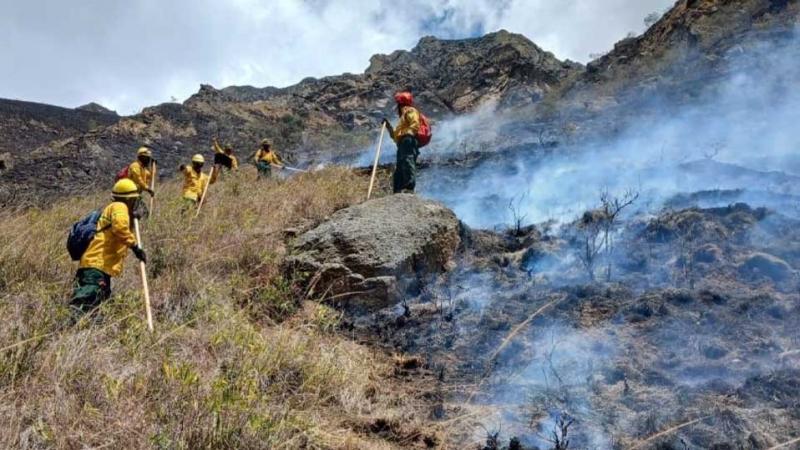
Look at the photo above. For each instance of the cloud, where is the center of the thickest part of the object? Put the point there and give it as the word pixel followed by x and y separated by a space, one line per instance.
pixel 127 55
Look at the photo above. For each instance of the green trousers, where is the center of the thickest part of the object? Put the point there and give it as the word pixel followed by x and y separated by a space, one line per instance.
pixel 405 172
pixel 91 287
pixel 188 205
pixel 264 169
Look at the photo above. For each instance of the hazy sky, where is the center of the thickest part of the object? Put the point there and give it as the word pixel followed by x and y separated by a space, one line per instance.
pixel 127 54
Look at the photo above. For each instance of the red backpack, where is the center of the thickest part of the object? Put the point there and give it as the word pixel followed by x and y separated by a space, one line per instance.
pixel 424 134
pixel 123 173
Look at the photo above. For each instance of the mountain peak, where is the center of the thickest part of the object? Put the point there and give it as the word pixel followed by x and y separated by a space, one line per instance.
pixel 96 108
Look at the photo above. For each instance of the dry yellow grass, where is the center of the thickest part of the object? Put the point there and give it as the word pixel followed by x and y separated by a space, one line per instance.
pixel 224 369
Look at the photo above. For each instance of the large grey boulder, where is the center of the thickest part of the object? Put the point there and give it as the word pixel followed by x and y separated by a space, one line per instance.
pixel 369 255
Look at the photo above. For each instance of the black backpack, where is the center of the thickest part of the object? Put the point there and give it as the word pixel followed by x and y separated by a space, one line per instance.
pixel 223 160
pixel 82 233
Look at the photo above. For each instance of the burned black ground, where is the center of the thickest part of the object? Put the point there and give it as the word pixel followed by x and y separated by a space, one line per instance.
pixel 698 321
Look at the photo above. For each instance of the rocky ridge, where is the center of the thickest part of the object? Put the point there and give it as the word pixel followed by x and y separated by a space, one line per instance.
pixel 313 120
pixel 683 56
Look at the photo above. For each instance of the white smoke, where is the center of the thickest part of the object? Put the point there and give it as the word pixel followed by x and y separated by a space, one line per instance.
pixel 741 136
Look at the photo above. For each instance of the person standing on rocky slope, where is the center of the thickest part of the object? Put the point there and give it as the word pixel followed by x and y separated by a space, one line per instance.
pixel 405 136
pixel 266 158
pixel 104 257
pixel 194 180
pixel 140 172
pixel 224 157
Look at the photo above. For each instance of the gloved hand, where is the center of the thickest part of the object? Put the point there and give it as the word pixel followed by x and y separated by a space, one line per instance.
pixel 137 212
pixel 151 192
pixel 139 253
pixel 386 122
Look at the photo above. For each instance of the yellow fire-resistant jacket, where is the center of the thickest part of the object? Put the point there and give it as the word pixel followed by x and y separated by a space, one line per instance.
pixel 408 125
pixel 195 183
pixel 109 247
pixel 269 157
pixel 140 175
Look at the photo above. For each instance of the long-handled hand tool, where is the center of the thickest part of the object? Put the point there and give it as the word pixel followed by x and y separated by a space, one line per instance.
pixel 143 273
pixel 205 190
pixel 290 168
pixel 153 188
pixel 375 164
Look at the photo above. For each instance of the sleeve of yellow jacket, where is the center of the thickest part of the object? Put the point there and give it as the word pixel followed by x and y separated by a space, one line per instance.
pixel 108 249
pixel 217 148
pixel 234 163
pixel 273 159
pixel 139 175
pixel 408 125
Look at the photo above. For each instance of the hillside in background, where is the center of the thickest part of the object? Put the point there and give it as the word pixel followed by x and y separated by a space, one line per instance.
pixel 683 57
pixel 599 257
pixel 313 120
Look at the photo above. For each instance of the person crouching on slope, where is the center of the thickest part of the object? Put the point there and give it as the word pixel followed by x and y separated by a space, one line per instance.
pixel 405 136
pixel 140 173
pixel 194 180
pixel 266 159
pixel 104 257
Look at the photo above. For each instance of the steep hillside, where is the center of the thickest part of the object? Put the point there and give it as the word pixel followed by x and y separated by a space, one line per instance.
pixel 238 360
pixel 313 120
pixel 682 58
pixel 25 126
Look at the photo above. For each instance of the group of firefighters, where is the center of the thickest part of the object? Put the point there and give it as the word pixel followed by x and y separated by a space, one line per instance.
pixel 103 258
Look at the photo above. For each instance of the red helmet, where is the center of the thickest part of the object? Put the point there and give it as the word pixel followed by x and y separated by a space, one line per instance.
pixel 404 98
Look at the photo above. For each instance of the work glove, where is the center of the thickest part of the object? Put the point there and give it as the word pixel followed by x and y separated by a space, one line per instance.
pixel 151 192
pixel 139 253
pixel 386 122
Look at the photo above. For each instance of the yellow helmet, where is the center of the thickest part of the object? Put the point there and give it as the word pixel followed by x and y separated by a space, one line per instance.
pixel 125 188
pixel 266 142
pixel 144 151
pixel 198 158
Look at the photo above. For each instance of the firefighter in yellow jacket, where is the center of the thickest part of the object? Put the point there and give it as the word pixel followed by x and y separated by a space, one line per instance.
pixel 140 172
pixel 105 256
pixel 266 158
pixel 194 180
pixel 405 136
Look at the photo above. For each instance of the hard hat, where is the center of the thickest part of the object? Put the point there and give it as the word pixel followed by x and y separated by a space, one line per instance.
pixel 144 151
pixel 198 158
pixel 266 142
pixel 404 98
pixel 125 188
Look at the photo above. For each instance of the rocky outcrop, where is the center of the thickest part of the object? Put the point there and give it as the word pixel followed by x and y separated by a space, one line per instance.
pixel 370 254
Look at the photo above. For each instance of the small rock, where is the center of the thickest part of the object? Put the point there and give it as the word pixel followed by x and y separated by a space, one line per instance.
pixel 766 265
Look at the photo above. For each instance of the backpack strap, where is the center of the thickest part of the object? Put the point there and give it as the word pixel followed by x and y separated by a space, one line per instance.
pixel 105 227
